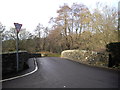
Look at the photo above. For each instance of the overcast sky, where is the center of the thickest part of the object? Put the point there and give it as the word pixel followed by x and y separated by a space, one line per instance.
pixel 31 12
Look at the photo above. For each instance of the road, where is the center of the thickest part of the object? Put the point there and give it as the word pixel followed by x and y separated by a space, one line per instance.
pixel 56 72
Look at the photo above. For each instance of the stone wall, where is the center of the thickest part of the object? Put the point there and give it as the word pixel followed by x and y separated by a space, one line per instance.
pixel 87 57
pixel 9 61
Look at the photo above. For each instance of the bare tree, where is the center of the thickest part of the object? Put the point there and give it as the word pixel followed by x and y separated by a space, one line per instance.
pixel 38 32
pixel 2 28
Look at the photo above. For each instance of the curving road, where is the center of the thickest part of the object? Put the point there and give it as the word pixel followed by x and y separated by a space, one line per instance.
pixel 56 72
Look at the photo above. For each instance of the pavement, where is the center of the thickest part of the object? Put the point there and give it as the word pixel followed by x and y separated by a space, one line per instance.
pixel 54 72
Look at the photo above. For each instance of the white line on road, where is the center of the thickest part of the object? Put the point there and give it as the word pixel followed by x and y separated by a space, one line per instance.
pixel 64 86
pixel 36 68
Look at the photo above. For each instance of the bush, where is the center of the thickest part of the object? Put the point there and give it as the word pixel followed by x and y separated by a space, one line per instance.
pixel 114 54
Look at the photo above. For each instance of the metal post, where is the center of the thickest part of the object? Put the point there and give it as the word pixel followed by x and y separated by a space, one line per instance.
pixel 17 27
pixel 17 58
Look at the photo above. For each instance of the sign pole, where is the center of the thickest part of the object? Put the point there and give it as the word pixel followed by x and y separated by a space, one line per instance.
pixel 17 27
pixel 17 56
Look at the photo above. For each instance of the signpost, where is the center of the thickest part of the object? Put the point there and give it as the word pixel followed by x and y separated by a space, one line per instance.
pixel 17 27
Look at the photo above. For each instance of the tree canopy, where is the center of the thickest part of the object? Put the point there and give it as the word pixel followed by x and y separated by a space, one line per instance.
pixel 75 27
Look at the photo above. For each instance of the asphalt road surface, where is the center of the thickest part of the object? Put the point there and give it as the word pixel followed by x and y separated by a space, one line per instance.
pixel 55 72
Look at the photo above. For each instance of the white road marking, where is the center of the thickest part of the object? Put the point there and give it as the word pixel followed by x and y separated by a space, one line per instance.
pixel 64 86
pixel 36 68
